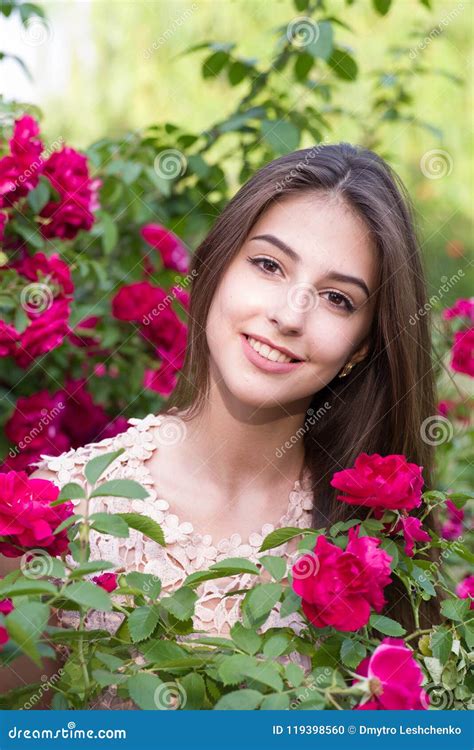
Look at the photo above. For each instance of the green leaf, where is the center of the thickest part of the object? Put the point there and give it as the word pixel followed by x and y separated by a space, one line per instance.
pixel 291 603
pixel 258 603
pixel 69 521
pixel 92 566
pixel 276 566
pixel 247 640
pixel 294 674
pixel 389 546
pixel 27 587
pixel 423 580
pixel 455 609
pixel 25 625
pixel 88 595
pixel 96 466
pixel 238 564
pixel 276 645
pixel 104 678
pixel 386 625
pixel 382 6
pixel 236 72
pixel 194 692
pixel 276 702
pixel 109 523
pixel 109 232
pixel 145 525
pixel 323 45
pixel 213 64
pixel 280 135
pixel 161 652
pixel 352 653
pixel 39 197
pixel 149 584
pixel 110 661
pixel 303 64
pixel 343 64
pixel 181 603
pixel 143 688
pixel 279 537
pixel 441 641
pixel 142 622
pixel 70 491
pixel 239 667
pixel 121 488
pixel 239 700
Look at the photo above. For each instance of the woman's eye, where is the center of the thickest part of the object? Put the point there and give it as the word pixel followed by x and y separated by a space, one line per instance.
pixel 340 300
pixel 266 264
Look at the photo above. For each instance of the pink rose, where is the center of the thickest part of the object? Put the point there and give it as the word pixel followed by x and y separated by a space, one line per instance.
pixel 3 223
pixel 35 428
pixel 6 606
pixel 462 308
pixel 9 337
pixel 339 587
pixel 68 172
pixel 4 637
pixel 394 678
pixel 27 518
pixel 465 589
pixel 383 482
pixel 82 334
pixel 181 296
pixel 453 527
pixel 162 381
pixel 135 301
pixel 169 336
pixel 462 353
pixel 36 267
pixel 46 332
pixel 20 170
pixel 170 247
pixel 413 532
pixel 106 581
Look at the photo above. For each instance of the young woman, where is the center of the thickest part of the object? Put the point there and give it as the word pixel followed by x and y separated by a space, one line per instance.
pixel 300 356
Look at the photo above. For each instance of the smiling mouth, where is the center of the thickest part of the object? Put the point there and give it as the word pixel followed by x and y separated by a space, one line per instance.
pixel 288 360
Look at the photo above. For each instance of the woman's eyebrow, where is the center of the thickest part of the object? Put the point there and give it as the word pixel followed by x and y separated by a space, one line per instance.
pixel 297 258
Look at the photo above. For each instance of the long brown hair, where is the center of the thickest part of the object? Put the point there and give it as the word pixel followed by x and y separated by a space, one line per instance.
pixel 381 405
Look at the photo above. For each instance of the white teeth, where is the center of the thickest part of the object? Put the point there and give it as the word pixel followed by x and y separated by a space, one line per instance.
pixel 266 351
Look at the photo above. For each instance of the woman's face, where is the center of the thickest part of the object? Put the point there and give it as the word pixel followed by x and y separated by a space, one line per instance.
pixel 294 301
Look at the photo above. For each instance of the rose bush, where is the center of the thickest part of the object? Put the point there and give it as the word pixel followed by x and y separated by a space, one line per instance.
pixel 93 304
pixel 359 657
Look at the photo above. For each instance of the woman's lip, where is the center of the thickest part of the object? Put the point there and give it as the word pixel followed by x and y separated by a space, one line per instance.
pixel 266 364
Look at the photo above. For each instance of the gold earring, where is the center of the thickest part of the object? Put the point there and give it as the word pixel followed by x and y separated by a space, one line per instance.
pixel 346 370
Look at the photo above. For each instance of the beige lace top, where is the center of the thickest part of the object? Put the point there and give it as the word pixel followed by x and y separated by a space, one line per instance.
pixel 185 551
